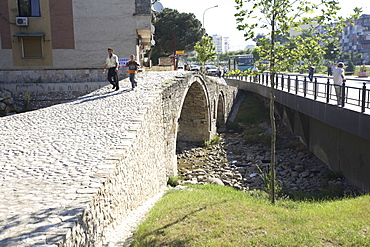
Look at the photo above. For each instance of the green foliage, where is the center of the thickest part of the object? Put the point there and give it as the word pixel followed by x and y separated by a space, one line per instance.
pixel 27 99
pixel 173 181
pixel 205 49
pixel 214 140
pixel 363 68
pixel 225 56
pixel 175 31
pixel 266 178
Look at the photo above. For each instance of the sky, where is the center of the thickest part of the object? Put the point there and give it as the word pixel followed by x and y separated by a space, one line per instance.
pixel 220 20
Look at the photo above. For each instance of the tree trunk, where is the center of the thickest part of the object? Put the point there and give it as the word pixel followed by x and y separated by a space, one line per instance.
pixel 272 111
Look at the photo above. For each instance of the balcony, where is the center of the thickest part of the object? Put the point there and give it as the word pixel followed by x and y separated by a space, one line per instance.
pixel 364 50
pixel 364 41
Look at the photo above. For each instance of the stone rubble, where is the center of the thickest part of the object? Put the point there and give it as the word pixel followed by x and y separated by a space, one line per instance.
pixel 236 164
pixel 7 104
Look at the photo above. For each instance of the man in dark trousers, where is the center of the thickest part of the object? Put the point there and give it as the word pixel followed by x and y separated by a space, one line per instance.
pixel 112 64
pixel 132 70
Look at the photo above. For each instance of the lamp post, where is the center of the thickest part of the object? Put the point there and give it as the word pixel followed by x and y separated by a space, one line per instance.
pixel 203 16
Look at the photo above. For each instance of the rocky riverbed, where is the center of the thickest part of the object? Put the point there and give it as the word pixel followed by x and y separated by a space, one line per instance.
pixel 236 163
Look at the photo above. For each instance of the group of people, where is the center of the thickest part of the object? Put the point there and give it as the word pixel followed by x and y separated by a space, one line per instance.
pixel 112 64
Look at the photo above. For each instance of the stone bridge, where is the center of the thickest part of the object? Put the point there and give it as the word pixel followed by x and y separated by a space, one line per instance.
pixel 69 172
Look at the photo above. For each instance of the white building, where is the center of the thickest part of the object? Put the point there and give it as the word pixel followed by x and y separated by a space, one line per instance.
pixel 222 43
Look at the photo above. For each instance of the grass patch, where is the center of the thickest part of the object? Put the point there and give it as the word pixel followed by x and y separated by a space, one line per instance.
pixel 214 141
pixel 214 215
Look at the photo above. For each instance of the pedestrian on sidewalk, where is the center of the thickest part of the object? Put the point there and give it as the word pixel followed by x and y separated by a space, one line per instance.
pixel 338 78
pixel 132 70
pixel 112 64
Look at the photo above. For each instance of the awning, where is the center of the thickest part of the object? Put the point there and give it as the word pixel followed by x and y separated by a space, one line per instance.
pixel 29 35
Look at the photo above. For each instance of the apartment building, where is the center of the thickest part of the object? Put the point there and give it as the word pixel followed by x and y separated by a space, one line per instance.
pixel 222 43
pixel 356 38
pixel 69 39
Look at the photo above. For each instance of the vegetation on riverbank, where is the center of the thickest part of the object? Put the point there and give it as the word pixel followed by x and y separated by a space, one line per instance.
pixel 213 215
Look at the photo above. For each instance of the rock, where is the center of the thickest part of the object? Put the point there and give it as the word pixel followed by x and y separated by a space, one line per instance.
pixel 233 163
pixel 299 168
pixel 304 174
pixel 215 181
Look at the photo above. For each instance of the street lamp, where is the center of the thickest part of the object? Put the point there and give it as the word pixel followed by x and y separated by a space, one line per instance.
pixel 205 12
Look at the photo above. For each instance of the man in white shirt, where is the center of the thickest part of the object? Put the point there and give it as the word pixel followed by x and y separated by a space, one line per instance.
pixel 112 64
pixel 338 78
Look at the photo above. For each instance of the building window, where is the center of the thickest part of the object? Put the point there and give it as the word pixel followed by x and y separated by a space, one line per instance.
pixel 29 8
pixel 32 47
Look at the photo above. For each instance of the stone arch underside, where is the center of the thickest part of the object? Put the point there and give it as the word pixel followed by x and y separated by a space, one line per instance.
pixel 193 124
pixel 220 120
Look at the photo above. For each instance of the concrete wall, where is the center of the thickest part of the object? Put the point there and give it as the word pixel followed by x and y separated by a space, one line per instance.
pixel 339 137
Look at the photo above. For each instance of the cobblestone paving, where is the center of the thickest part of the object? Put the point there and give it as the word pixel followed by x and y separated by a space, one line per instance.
pixel 51 159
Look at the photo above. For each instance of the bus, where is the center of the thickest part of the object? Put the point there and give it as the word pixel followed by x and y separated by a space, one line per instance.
pixel 241 62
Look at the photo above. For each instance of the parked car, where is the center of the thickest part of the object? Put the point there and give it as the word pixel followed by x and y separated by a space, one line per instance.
pixel 211 70
pixel 194 68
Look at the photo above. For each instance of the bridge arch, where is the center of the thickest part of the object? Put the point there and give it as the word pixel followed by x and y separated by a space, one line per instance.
pixel 219 108
pixel 194 123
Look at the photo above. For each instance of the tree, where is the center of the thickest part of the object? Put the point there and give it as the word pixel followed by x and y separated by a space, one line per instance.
pixel 279 17
pixel 332 50
pixel 205 49
pixel 175 31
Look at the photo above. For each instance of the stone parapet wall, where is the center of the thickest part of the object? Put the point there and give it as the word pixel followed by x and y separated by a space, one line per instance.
pixel 137 174
pixel 56 75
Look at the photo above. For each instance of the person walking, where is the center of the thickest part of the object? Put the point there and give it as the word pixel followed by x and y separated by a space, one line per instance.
pixel 311 71
pixel 112 64
pixel 338 78
pixel 132 70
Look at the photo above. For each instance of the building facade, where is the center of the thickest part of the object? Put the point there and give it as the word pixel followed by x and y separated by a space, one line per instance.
pixel 39 36
pixel 356 38
pixel 222 43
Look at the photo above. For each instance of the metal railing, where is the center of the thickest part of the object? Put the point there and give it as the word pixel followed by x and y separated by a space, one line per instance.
pixel 319 91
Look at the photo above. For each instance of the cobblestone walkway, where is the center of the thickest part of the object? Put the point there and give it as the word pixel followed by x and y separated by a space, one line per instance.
pixel 51 159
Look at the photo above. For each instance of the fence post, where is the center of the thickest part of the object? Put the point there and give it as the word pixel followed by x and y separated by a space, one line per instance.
pixel 282 82
pixel 315 89
pixel 363 97
pixel 304 86
pixel 327 91
pixel 276 80
pixel 288 83
pixel 343 93
pixel 296 84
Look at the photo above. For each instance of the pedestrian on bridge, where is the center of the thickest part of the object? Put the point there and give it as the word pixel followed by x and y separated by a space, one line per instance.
pixel 132 70
pixel 338 78
pixel 311 71
pixel 112 64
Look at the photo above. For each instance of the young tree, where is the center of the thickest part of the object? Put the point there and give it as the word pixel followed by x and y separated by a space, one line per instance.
pixel 205 49
pixel 278 17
